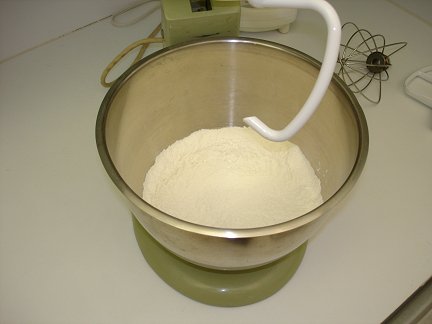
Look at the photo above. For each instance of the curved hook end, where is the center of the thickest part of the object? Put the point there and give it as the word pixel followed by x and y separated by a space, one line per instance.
pixel 265 131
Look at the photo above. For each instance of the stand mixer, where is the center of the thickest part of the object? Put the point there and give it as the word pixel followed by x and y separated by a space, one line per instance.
pixel 138 118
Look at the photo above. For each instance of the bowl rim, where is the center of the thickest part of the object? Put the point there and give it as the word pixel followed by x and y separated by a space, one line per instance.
pixel 206 230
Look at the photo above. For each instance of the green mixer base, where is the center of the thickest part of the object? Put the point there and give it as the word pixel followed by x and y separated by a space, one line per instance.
pixel 217 287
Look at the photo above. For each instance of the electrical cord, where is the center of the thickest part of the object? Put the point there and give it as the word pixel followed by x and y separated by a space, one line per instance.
pixel 144 43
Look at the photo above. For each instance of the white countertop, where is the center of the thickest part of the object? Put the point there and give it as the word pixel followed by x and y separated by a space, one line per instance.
pixel 67 249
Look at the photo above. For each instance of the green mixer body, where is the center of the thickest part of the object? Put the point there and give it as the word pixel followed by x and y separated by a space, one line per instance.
pixel 184 20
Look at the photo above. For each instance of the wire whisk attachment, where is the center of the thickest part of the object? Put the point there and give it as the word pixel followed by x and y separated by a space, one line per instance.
pixel 362 62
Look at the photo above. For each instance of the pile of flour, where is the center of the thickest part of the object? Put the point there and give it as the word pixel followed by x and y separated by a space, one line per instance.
pixel 233 178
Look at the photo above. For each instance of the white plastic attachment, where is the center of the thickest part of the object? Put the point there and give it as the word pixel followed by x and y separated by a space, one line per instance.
pixel 421 92
pixel 264 19
pixel 324 77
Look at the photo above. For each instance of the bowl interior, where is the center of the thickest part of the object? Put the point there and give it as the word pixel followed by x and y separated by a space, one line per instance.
pixel 217 83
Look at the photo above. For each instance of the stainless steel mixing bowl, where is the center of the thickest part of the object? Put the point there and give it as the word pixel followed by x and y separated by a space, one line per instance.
pixel 216 83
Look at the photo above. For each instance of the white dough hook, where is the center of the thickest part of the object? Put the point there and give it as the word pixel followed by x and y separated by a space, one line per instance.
pixel 324 77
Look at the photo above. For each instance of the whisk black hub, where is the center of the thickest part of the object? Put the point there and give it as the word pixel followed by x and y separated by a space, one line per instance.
pixel 377 62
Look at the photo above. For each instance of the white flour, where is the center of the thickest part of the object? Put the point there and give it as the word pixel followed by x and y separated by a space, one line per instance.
pixel 233 178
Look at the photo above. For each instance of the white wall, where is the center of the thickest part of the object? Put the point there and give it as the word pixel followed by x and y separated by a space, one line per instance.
pixel 25 24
